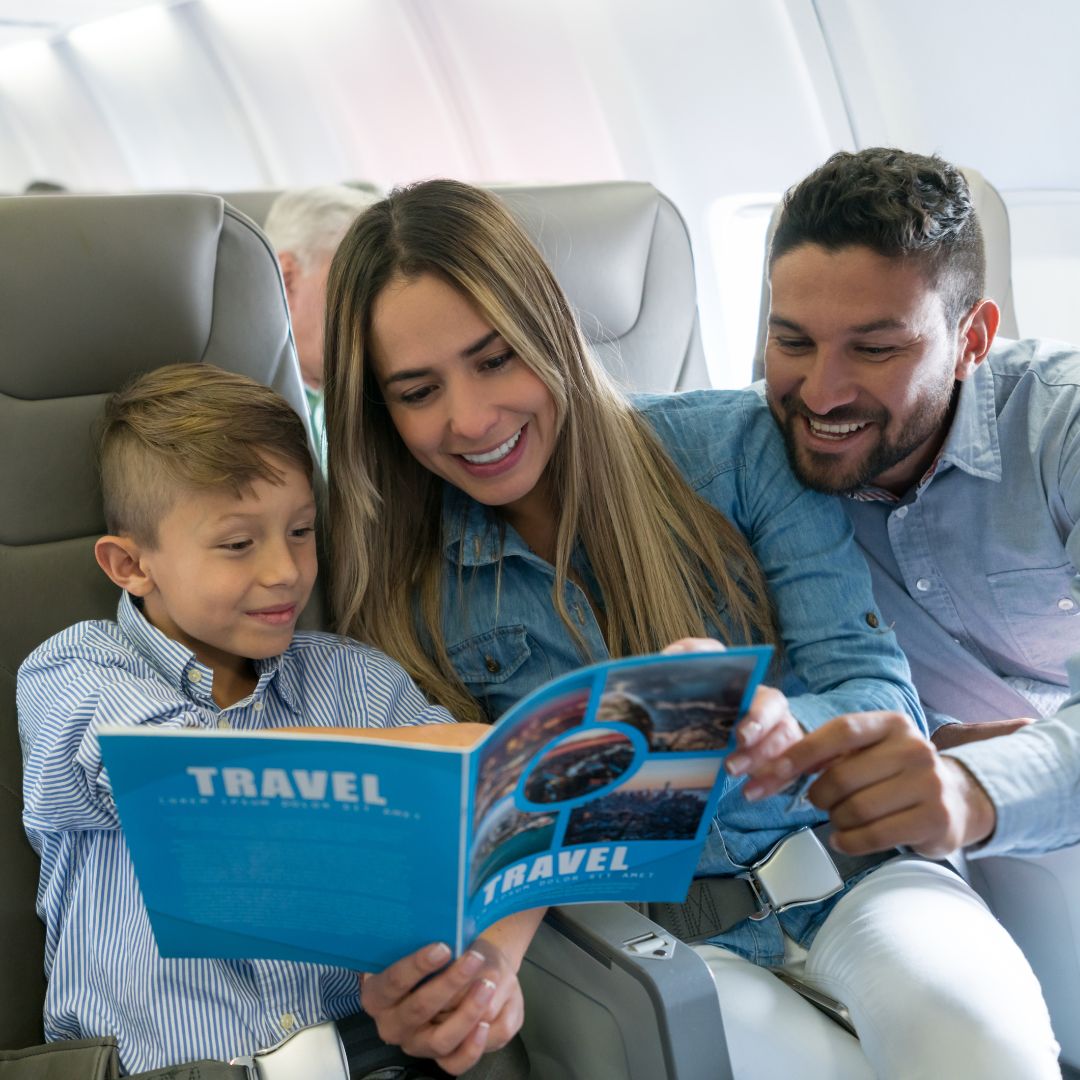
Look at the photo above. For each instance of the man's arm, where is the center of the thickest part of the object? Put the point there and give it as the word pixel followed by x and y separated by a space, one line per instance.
pixel 883 786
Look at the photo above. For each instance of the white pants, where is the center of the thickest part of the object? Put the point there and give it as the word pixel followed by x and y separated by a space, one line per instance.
pixel 935 987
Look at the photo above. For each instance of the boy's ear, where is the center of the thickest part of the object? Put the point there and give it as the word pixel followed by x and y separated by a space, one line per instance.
pixel 121 559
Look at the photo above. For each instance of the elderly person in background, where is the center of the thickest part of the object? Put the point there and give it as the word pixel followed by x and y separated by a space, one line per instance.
pixel 305 226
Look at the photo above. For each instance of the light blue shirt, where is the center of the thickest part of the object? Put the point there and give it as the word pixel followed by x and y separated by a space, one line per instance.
pixel 505 637
pixel 977 566
pixel 105 975
pixel 1033 780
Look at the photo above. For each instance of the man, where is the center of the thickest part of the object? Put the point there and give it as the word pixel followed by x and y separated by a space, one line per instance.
pixel 959 463
pixel 959 459
pixel 306 226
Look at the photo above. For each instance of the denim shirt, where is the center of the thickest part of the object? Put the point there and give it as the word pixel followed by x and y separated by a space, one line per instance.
pixel 978 566
pixel 505 637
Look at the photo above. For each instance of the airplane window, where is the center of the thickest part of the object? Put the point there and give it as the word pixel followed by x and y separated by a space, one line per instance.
pixel 1045 228
pixel 738 226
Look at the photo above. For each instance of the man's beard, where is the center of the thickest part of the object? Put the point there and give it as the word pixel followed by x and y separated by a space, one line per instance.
pixel 833 474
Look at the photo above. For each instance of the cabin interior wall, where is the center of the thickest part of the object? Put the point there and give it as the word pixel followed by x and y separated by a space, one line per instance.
pixel 720 103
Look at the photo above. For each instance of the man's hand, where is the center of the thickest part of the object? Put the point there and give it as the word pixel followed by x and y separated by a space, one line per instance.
pixel 958 734
pixel 883 785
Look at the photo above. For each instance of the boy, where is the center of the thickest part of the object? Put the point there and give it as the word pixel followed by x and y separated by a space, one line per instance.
pixel 206 479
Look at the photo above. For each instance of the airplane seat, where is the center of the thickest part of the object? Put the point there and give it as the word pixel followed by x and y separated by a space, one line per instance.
pixel 94 289
pixel 1034 897
pixel 621 252
pixel 994 218
pixel 98 288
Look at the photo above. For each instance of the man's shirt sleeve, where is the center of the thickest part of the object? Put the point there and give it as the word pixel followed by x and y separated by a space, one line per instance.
pixel 1033 780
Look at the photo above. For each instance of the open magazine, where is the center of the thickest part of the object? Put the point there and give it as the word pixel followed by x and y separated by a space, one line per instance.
pixel 339 849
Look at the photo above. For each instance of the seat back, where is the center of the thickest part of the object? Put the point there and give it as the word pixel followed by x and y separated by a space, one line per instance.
pixel 621 252
pixel 94 289
pixel 994 219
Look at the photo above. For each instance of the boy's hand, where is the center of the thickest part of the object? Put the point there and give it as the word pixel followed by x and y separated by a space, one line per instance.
pixel 470 1006
pixel 761 736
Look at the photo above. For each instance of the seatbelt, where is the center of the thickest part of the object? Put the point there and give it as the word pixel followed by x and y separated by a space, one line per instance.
pixel 325 1051
pixel 310 1052
pixel 796 871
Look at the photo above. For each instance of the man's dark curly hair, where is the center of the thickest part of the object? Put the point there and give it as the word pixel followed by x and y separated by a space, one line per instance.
pixel 899 205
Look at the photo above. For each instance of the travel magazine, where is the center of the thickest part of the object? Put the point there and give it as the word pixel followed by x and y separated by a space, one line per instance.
pixel 334 848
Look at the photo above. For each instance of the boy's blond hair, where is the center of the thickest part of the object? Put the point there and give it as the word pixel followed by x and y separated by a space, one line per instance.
pixel 190 427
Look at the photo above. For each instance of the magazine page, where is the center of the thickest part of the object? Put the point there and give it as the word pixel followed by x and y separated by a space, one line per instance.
pixel 602 785
pixel 260 845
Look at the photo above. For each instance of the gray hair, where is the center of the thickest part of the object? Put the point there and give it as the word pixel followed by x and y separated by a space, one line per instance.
pixel 310 222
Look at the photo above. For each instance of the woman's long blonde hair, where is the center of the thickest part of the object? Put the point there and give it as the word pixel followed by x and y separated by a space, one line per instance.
pixel 666 561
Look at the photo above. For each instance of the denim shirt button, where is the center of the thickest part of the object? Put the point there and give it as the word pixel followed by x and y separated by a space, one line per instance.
pixel 492 664
pixel 872 620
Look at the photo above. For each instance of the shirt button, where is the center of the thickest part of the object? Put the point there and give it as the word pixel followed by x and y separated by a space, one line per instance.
pixel 194 675
pixel 257 706
pixel 923 584
pixel 288 1021
pixel 901 512
pixel 223 723
pixel 872 620
pixel 492 664
pixel 1065 604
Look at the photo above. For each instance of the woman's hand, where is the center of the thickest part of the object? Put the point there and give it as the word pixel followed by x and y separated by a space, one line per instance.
pixel 761 737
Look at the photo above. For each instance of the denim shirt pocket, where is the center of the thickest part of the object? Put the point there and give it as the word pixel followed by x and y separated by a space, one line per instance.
pixel 1035 606
pixel 487 664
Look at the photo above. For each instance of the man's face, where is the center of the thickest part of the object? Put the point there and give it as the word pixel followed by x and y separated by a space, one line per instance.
pixel 860 367
pixel 305 288
pixel 229 576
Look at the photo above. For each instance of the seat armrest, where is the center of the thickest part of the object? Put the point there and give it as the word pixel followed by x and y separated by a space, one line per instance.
pixel 595 1007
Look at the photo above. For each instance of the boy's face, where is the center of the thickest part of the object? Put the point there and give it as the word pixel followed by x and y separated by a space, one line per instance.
pixel 229 576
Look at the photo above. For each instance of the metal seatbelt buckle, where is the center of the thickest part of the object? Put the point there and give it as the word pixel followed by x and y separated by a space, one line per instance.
pixel 797 870
pixel 311 1051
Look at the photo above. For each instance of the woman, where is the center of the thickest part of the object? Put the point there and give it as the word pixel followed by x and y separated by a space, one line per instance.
pixel 501 514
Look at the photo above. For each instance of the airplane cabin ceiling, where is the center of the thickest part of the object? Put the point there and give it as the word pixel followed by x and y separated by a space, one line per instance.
pixel 22 20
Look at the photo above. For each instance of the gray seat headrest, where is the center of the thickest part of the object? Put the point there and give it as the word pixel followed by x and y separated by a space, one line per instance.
pixel 622 254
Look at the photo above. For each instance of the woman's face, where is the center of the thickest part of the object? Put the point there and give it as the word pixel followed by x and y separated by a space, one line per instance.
pixel 464 403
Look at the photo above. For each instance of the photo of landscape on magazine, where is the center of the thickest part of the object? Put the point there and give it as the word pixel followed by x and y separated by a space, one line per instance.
pixel 330 847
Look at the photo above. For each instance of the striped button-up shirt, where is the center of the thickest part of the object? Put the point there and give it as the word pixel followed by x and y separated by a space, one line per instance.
pixel 105 975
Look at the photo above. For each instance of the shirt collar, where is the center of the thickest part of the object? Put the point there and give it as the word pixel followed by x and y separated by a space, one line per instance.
pixel 473 535
pixel 177 664
pixel 971 444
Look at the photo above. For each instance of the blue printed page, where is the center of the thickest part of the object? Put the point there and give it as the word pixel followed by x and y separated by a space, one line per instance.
pixel 322 848
pixel 602 784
